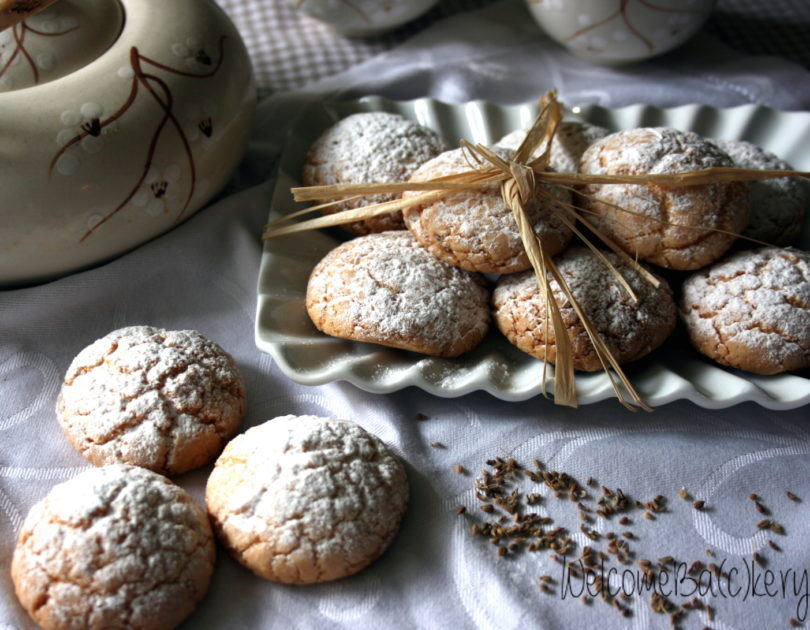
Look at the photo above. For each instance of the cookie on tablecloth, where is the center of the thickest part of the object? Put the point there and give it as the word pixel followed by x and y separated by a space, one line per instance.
pixel 115 547
pixel 475 229
pixel 751 311
pixel 372 147
pixel 386 289
pixel 167 400
pixel 303 499
pixel 644 220
pixel 777 205
pixel 629 329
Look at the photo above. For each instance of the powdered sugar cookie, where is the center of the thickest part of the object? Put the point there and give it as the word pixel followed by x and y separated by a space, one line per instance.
pixel 302 499
pixel 475 229
pixel 165 400
pixel 366 148
pixel 629 329
pixel 567 146
pixel 751 311
pixel 649 229
pixel 114 547
pixel 777 205
pixel 386 289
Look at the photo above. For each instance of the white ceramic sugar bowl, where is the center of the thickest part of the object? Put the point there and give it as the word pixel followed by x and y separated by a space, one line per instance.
pixel 362 18
pixel 118 119
pixel 620 31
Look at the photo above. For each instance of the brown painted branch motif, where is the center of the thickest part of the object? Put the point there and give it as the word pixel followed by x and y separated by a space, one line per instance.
pixel 147 84
pixel 621 13
pixel 19 32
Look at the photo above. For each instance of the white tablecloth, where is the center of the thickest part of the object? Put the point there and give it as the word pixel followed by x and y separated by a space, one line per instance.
pixel 202 275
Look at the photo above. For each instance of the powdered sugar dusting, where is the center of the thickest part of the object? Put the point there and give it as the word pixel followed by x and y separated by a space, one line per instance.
pixel 664 150
pixel 752 311
pixel 567 146
pixel 302 499
pixel 370 147
pixel 165 400
pixel 777 205
pixel 629 329
pixel 117 546
pixel 476 229
pixel 387 289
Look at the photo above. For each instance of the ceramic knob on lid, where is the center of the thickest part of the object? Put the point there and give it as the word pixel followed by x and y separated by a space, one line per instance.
pixel 54 43
pixel 143 120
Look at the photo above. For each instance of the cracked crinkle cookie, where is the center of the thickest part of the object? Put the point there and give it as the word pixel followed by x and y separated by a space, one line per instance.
pixel 165 400
pixel 777 205
pixel 662 224
pixel 366 148
pixel 302 499
pixel 475 229
pixel 115 547
pixel 569 143
pixel 751 311
pixel 629 329
pixel 386 289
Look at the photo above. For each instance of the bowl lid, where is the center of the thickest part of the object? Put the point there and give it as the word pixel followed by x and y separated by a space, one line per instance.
pixel 53 43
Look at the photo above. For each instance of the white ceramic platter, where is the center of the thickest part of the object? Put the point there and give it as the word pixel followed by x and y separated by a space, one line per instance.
pixel 673 372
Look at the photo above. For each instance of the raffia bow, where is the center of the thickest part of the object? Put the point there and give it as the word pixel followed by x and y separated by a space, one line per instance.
pixel 518 180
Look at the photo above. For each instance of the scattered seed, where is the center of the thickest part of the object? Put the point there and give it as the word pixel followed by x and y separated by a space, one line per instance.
pixel 710 612
pixel 460 469
pixel 709 552
pixel 547 578
pixel 624 521
pixel 774 546
pixel 765 524
pixel 586 601
pixel 776 528
pixel 698 505
pixel 794 622
pixel 627 534
pixel 437 445
pixel 487 507
pixel 474 529
pixel 461 509
pixel 792 496
pixel 649 516
pixel 761 508
pixel 684 494
pixel 590 481
pixel 501 551
pixel 758 559
pixel 753 496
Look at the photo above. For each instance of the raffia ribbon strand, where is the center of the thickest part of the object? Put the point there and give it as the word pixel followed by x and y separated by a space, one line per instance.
pixel 517 179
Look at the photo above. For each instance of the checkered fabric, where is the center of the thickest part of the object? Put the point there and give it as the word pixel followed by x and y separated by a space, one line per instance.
pixel 290 49
pixel 772 27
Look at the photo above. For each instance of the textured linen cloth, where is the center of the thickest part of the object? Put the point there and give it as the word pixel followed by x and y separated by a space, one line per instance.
pixel 202 275
pixel 291 50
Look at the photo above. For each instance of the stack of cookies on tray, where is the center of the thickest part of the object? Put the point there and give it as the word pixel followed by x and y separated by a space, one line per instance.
pixel 459 264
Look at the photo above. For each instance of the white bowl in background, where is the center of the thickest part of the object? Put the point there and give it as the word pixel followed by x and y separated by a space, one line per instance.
pixel 620 31
pixel 363 18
